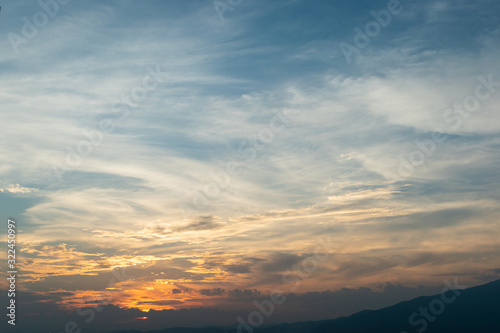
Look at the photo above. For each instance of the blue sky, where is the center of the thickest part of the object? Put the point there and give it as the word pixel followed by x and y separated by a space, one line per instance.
pixel 322 146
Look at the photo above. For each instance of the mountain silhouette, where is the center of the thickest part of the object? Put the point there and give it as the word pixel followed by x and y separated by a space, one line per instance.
pixel 472 310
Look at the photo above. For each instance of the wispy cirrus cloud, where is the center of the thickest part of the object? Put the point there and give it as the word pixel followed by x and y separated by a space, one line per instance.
pixel 333 170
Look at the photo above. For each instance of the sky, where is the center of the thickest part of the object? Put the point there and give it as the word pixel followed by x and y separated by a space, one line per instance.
pixel 170 160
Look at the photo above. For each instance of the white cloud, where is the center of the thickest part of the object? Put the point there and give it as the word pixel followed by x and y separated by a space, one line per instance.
pixel 17 189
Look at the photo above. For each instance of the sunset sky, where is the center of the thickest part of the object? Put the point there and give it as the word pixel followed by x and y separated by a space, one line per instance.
pixel 208 155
